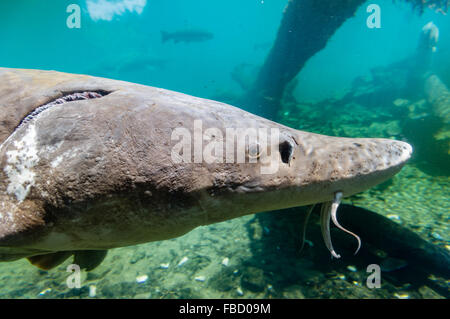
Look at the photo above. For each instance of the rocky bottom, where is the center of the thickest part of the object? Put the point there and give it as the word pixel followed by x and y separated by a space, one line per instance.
pixel 258 256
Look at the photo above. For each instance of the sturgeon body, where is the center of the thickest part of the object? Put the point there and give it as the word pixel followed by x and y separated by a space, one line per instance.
pixel 88 164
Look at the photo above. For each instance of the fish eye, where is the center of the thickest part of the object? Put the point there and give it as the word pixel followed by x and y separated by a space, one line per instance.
pixel 254 150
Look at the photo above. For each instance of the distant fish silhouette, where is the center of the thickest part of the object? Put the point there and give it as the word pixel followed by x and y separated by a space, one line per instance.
pixel 186 36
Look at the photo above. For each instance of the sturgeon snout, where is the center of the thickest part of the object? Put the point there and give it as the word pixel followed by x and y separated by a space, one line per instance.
pixel 354 165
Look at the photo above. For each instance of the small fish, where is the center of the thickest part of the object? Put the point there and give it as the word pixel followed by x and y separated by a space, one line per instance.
pixel 186 36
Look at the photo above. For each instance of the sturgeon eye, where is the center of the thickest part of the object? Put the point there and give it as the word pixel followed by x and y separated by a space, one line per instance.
pixel 286 150
pixel 254 150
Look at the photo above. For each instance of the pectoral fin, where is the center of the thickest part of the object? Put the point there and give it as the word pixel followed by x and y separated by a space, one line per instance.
pixel 49 261
pixel 89 259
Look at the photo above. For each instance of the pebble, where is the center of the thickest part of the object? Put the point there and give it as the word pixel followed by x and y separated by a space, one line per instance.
pixel 43 292
pixel 92 291
pixel 436 236
pixel 148 193
pixel 401 102
pixel 200 278
pixel 239 291
pixel 432 277
pixel 225 261
pixel 182 261
pixel 401 296
pixel 164 266
pixel 393 217
pixel 352 268
pixel 141 279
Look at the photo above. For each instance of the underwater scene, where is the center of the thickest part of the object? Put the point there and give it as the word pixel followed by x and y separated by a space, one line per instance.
pixel 94 203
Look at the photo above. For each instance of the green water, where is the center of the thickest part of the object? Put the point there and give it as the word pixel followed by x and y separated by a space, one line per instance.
pixel 335 94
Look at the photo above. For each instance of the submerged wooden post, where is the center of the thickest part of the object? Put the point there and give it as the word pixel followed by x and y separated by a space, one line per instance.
pixel 305 29
pixel 436 91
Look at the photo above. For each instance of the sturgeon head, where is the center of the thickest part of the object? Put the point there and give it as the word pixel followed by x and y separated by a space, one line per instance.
pixel 88 163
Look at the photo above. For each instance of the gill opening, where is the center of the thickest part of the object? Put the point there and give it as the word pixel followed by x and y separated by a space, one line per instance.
pixel 65 98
